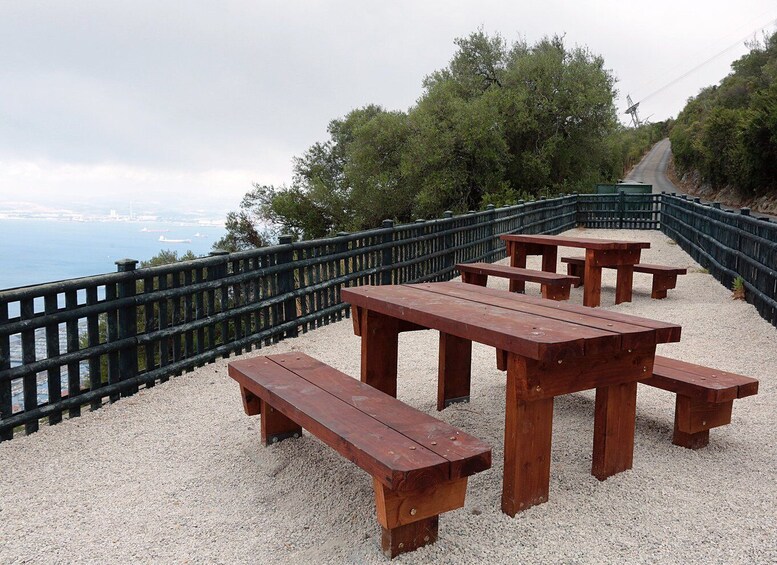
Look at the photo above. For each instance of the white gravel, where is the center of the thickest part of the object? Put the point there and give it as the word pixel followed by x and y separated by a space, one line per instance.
pixel 176 474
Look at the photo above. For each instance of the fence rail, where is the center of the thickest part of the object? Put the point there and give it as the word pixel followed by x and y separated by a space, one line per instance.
pixel 73 345
pixel 728 244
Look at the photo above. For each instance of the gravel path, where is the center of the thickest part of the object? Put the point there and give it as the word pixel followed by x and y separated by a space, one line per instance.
pixel 176 473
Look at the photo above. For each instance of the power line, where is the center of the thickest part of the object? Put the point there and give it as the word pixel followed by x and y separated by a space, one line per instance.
pixel 729 48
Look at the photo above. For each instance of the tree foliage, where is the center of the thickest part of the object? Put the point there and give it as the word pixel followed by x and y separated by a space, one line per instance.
pixel 166 257
pixel 499 123
pixel 729 131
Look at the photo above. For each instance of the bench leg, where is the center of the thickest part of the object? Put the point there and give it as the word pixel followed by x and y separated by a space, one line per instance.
pixel 662 283
pixel 575 270
pixel 453 371
pixel 614 418
pixel 409 519
pixel 474 278
pixel 251 403
pixel 693 420
pixel 555 292
pixel 277 427
pixel 624 283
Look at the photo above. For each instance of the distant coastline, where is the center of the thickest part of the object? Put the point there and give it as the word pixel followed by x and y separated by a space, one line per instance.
pixel 36 250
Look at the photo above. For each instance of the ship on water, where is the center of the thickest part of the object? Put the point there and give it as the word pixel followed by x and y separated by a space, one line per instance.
pixel 163 239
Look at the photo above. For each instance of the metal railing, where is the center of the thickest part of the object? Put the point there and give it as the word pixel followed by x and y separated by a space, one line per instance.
pixel 728 244
pixel 73 345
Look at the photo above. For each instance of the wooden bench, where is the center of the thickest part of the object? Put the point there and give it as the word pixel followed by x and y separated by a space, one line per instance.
pixel 554 286
pixel 664 278
pixel 705 397
pixel 419 465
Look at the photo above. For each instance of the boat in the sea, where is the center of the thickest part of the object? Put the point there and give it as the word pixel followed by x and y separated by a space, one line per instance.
pixel 153 230
pixel 163 239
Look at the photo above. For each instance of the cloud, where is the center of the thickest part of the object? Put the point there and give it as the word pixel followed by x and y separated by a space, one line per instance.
pixel 218 95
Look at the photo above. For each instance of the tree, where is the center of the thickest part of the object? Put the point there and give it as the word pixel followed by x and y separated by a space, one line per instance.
pixel 166 257
pixel 497 124
pixel 728 132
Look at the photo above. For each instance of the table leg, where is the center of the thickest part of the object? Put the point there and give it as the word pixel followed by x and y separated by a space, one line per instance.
pixel 380 338
pixel 517 259
pixel 614 417
pixel 528 429
pixel 623 286
pixel 592 289
pixel 454 370
pixel 549 258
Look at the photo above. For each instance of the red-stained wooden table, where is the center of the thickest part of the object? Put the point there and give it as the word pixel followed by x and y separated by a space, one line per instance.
pixel 599 253
pixel 548 348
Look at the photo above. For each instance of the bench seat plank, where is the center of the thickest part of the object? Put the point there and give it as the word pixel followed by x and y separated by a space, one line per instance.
pixel 528 275
pixel 653 269
pixel 554 286
pixel 705 397
pixel 664 277
pixel 373 446
pixel 467 454
pixel 696 381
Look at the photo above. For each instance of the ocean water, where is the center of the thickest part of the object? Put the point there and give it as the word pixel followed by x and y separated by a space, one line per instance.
pixel 38 251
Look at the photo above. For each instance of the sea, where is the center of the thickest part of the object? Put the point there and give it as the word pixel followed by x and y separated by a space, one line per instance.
pixel 35 251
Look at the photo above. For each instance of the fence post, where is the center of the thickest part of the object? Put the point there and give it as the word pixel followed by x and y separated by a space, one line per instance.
pixel 286 283
pixel 6 404
pixel 216 272
pixel 342 267
pixel 386 258
pixel 128 325
pixel 621 208
pixel 490 232
pixel 449 251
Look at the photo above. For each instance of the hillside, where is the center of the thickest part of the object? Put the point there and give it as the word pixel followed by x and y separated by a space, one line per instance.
pixel 725 139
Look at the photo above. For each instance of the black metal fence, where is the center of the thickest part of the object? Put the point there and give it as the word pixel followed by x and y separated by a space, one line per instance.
pixel 728 244
pixel 75 344
pixel 619 211
pixel 69 345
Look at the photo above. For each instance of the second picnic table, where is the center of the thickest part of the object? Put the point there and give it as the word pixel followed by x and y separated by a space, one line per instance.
pixel 599 253
pixel 548 348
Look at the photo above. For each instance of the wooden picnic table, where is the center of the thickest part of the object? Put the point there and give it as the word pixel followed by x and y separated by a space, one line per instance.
pixel 599 253
pixel 548 348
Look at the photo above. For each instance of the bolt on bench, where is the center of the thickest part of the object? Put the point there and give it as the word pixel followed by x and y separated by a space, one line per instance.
pixel 664 278
pixel 705 397
pixel 419 465
pixel 554 286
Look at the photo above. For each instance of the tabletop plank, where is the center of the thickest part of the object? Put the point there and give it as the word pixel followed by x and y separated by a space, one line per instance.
pixel 534 336
pixel 666 332
pixel 566 241
pixel 633 334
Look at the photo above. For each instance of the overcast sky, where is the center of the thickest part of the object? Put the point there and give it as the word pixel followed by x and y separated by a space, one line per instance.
pixel 185 104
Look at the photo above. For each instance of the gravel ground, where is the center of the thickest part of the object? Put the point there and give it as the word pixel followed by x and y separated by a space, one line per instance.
pixel 176 474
